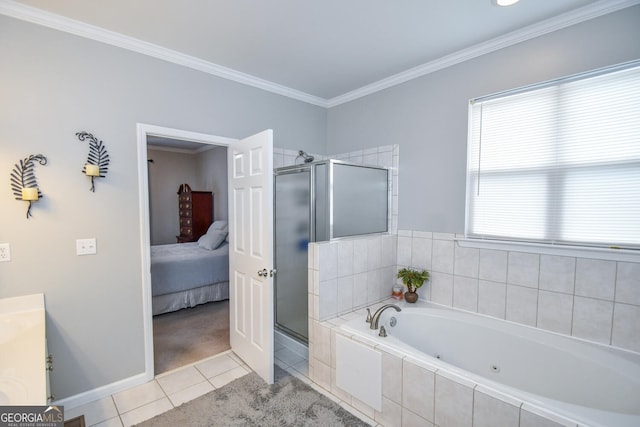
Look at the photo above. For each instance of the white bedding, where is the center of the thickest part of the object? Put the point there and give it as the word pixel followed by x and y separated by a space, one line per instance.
pixel 183 269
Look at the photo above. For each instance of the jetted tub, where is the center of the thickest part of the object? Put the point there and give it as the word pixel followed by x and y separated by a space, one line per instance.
pixel 592 384
pixel 23 375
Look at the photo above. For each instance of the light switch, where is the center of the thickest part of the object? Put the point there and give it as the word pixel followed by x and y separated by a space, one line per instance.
pixel 86 247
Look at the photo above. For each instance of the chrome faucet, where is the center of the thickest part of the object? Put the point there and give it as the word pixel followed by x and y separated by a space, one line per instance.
pixel 376 316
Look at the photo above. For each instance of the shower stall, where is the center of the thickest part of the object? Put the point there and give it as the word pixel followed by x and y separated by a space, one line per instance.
pixel 317 202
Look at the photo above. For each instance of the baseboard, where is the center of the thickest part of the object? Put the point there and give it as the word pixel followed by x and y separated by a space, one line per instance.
pixel 292 344
pixel 104 391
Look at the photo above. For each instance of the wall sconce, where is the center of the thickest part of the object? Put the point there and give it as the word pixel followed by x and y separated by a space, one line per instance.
pixel 23 180
pixel 98 160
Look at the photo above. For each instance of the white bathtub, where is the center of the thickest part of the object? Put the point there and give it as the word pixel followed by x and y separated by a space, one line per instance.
pixel 592 384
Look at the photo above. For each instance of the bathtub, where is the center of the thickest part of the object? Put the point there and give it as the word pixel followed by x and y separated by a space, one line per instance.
pixel 585 382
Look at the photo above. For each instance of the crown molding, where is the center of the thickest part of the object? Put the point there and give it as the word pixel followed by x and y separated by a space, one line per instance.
pixel 568 19
pixel 199 150
pixel 61 23
pixel 72 26
pixel 154 147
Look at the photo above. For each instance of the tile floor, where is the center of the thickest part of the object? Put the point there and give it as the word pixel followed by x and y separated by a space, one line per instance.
pixel 173 388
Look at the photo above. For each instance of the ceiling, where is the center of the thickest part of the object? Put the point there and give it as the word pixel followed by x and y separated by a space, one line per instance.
pixel 325 49
pixel 177 145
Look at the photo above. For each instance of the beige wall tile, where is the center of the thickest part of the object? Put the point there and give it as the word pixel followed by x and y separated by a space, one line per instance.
pixel 489 411
pixel 418 390
pixel 453 403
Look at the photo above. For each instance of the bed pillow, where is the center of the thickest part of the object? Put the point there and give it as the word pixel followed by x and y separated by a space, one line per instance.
pixel 219 225
pixel 212 239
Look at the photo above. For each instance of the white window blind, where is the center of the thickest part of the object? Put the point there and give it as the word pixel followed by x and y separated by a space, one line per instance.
pixel 558 162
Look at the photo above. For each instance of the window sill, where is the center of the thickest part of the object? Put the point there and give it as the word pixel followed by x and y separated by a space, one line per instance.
pixel 626 255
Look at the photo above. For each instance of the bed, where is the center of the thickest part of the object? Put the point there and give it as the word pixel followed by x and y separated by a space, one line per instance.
pixel 187 274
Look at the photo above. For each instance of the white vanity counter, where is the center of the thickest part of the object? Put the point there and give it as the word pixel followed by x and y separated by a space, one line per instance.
pixel 23 375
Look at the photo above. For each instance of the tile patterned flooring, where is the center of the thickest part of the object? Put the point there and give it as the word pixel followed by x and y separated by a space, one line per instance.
pixel 176 387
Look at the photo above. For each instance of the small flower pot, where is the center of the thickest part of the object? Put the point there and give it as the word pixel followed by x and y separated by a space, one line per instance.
pixel 410 296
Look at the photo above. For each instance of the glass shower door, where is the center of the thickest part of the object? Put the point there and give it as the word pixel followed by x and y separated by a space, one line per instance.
pixel 292 234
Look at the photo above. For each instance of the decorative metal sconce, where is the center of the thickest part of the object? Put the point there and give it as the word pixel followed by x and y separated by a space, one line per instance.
pixel 23 180
pixel 98 160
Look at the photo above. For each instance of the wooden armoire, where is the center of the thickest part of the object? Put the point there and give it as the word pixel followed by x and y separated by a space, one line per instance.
pixel 195 210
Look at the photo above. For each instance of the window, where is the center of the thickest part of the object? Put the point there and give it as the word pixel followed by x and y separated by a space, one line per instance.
pixel 558 162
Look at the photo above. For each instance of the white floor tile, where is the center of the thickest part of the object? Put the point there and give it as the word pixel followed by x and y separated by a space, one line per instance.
pixel 227 377
pixel 302 367
pixel 94 412
pixel 145 412
pixel 235 357
pixel 138 396
pixel 289 357
pixel 191 393
pixel 216 366
pixel 181 379
pixel 280 363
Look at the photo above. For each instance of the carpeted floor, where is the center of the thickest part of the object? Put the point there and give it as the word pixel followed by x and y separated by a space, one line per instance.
pixel 191 334
pixel 249 401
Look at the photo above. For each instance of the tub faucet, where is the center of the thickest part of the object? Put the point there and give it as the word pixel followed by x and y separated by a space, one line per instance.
pixel 376 316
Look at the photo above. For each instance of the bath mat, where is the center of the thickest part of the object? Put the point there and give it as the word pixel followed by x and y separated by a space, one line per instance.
pixel 249 401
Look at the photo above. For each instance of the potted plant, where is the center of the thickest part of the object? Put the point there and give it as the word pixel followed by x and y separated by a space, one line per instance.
pixel 412 279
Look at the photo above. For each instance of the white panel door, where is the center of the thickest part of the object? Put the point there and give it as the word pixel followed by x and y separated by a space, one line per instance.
pixel 250 164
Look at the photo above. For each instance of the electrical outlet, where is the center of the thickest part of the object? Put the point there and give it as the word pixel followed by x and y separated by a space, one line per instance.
pixel 5 252
pixel 86 246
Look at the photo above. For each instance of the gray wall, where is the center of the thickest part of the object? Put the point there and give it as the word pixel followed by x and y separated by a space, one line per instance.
pixel 428 116
pixel 205 171
pixel 211 167
pixel 54 84
pixel 167 172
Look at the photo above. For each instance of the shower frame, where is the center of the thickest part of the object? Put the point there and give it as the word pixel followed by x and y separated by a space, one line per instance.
pixel 329 235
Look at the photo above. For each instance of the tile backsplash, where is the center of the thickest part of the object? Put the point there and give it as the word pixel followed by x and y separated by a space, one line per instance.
pixel 348 274
pixel 598 300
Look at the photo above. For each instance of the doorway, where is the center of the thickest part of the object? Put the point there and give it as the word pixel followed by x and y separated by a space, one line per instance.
pixel 179 140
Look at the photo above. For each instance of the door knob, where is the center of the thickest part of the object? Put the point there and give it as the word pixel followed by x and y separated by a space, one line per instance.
pixel 272 272
pixel 263 272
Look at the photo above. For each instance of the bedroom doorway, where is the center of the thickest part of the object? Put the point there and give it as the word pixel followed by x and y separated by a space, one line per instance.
pixel 179 337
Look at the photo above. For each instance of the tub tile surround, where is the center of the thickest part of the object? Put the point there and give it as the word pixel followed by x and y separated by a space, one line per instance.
pixel 416 393
pixel 592 299
pixel 348 274
pixel 555 293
